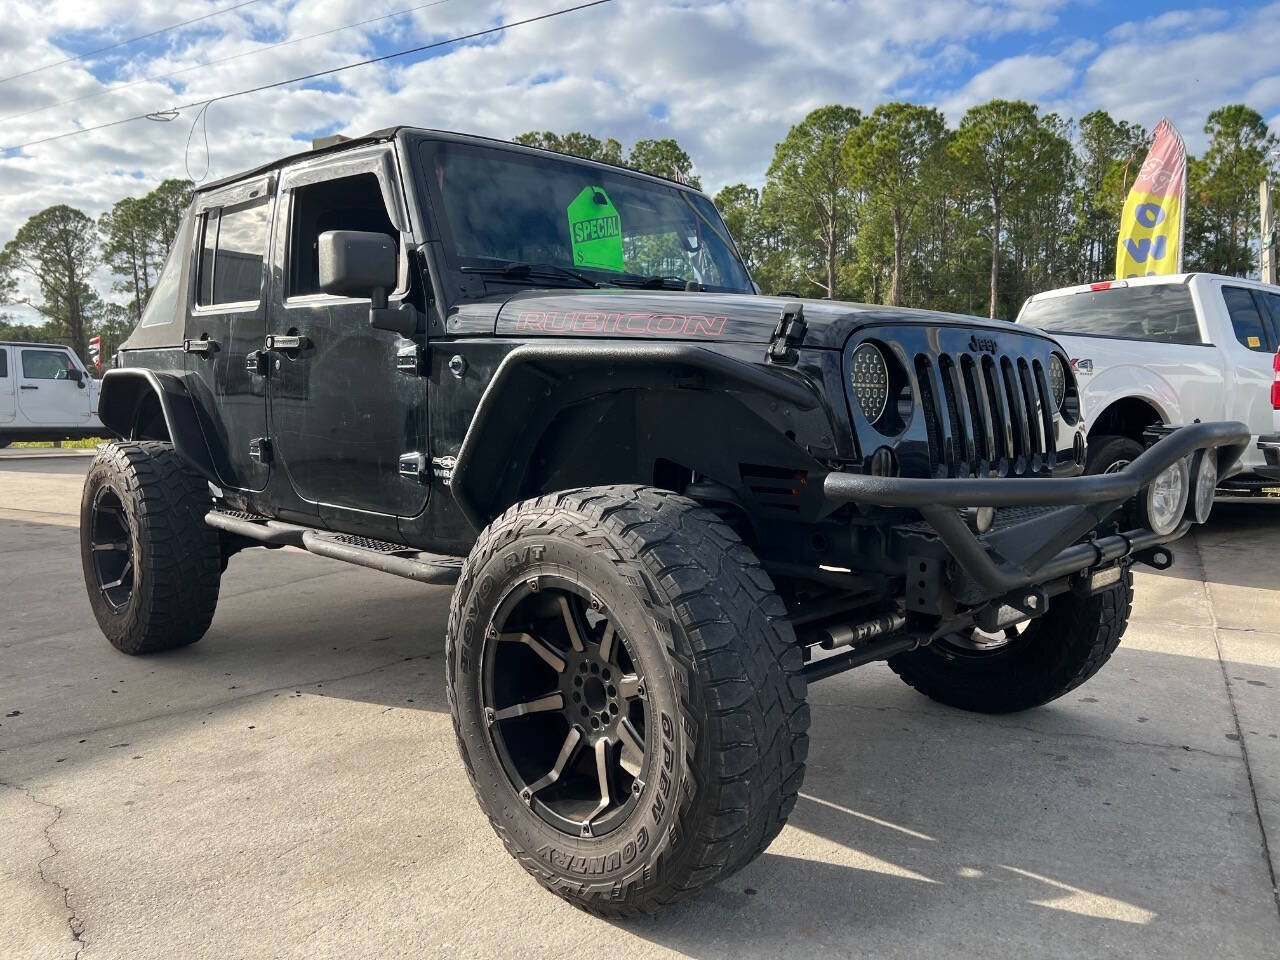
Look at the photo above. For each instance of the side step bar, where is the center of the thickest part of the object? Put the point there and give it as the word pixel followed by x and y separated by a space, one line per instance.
pixel 377 554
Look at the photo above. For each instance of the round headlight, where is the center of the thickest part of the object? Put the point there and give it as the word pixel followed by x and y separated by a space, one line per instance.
pixel 1167 498
pixel 1206 483
pixel 1057 380
pixel 869 378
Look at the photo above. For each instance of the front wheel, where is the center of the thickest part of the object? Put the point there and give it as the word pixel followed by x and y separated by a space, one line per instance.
pixel 152 566
pixel 1027 666
pixel 627 695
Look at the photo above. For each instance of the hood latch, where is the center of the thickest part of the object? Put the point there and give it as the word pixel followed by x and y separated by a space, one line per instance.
pixel 787 335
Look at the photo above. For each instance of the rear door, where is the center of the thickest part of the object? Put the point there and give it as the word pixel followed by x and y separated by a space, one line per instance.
pixel 1251 348
pixel 342 413
pixel 48 392
pixel 226 325
pixel 8 401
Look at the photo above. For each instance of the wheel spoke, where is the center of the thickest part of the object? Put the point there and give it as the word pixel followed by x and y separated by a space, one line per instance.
pixel 549 656
pixel 567 750
pixel 570 623
pixel 606 643
pixel 629 686
pixel 632 759
pixel 100 547
pixel 124 575
pixel 602 775
pixel 553 701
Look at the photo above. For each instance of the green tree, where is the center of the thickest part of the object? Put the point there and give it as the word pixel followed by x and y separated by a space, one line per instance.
pixel 1222 222
pixel 163 209
pixel 126 249
pixel 55 252
pixel 663 158
pixel 894 155
pixel 809 195
pixel 1109 153
pixel 991 147
pixel 574 144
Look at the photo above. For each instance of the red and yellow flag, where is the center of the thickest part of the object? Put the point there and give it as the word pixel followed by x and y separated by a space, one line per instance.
pixel 1151 226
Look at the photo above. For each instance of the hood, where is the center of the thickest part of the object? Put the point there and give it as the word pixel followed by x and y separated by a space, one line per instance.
pixel 676 315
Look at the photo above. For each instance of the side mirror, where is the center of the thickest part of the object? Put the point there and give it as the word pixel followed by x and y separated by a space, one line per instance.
pixel 354 263
pixel 77 376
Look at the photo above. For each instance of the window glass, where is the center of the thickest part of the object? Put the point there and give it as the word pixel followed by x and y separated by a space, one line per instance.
pixel 4 364
pixel 46 365
pixel 1160 312
pixel 208 244
pixel 242 244
pixel 348 203
pixel 1272 301
pixel 162 305
pixel 1246 319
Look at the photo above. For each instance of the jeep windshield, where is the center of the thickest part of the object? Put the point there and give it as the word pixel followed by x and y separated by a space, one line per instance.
pixel 544 220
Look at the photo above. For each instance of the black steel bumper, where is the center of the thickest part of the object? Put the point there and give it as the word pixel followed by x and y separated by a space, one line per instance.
pixel 1048 547
pixel 1270 447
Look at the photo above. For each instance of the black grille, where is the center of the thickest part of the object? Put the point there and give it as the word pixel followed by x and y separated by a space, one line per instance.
pixel 985 414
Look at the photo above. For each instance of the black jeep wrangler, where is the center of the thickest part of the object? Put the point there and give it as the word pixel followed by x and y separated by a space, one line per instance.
pixel 668 503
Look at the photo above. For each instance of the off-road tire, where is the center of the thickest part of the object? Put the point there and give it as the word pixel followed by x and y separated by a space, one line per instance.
pixel 176 556
pixel 724 681
pixel 1105 451
pixel 1054 654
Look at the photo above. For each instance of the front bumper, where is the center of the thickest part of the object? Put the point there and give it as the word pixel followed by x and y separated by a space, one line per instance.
pixel 1047 547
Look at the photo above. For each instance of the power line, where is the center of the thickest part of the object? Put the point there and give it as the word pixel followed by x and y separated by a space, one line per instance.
pixel 125 43
pixel 158 114
pixel 213 63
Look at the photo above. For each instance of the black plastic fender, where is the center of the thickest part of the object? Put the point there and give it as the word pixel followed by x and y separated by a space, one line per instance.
pixel 535 381
pixel 122 394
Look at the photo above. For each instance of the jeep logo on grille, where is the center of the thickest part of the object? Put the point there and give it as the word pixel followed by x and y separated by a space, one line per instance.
pixel 982 344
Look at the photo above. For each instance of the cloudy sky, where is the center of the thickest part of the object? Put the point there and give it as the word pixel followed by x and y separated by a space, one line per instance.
pixel 724 77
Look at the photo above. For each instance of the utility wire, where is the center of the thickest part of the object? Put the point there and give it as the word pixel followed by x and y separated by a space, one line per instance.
pixel 125 43
pixel 213 63
pixel 158 114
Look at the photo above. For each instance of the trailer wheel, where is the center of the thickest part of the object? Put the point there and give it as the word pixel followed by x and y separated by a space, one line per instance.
pixel 152 566
pixel 627 695
pixel 1023 667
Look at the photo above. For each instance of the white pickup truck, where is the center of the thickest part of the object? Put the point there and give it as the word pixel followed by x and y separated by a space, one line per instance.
pixel 1172 349
pixel 46 394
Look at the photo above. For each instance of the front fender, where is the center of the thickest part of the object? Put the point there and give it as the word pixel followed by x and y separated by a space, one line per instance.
pixel 121 398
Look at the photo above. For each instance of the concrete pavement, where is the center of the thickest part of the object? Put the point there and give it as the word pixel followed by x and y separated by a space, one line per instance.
pixel 289 786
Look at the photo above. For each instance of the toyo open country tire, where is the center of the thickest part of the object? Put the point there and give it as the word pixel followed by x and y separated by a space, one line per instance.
pixel 152 566
pixel 1053 654
pixel 639 619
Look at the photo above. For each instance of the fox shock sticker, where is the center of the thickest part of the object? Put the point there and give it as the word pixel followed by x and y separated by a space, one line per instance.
pixel 595 231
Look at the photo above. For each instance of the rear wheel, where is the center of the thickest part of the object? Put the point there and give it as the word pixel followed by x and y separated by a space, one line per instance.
pixel 1026 666
pixel 152 566
pixel 627 695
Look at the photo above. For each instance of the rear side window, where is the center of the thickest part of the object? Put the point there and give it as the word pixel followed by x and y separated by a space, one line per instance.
pixel 232 250
pixel 4 364
pixel 1162 313
pixel 1246 319
pixel 46 365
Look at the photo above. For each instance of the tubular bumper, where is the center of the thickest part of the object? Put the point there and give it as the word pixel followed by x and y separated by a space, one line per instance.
pixel 1046 548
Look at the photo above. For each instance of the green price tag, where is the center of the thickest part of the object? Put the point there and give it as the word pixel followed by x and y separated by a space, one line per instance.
pixel 595 230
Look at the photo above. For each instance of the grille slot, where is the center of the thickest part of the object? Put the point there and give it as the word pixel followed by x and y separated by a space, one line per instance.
pixel 985 413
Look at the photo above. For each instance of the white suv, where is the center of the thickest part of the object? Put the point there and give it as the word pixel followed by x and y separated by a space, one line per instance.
pixel 46 393
pixel 1173 349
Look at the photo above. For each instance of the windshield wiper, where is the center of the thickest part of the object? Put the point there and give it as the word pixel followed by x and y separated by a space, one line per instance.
pixel 521 269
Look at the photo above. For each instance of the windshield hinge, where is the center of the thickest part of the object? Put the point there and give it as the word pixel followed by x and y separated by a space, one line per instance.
pixel 787 335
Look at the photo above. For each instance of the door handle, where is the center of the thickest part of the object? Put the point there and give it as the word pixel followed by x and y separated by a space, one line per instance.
pixel 276 342
pixel 29 386
pixel 206 348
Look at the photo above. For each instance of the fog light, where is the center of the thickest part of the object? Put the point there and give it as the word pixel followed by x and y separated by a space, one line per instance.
pixel 979 519
pixel 1206 484
pixel 1167 498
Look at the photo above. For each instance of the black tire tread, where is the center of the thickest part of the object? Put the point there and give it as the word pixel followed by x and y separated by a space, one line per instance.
pixel 743 650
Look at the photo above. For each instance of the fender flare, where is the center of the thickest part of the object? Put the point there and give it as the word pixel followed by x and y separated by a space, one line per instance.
pixel 572 372
pixel 122 391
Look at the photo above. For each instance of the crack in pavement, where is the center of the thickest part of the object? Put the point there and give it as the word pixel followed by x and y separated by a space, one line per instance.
pixel 74 924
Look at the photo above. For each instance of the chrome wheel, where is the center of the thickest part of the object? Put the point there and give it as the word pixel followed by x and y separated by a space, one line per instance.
pixel 111 546
pixel 976 642
pixel 566 706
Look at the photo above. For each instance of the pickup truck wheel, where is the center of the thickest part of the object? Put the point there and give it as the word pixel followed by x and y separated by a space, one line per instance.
pixel 1024 668
pixel 627 695
pixel 1108 454
pixel 152 566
